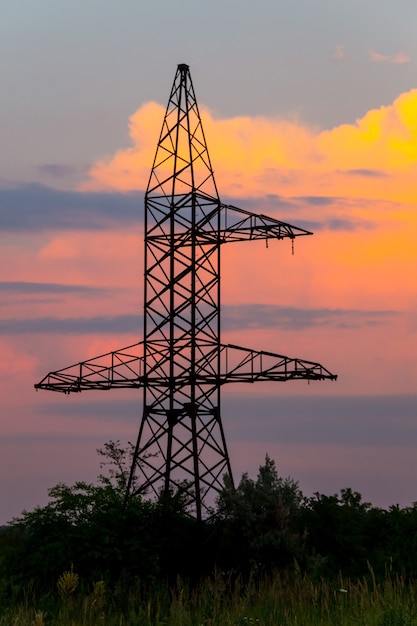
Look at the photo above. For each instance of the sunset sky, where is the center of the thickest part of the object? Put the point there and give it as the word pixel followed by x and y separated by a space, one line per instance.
pixel 310 115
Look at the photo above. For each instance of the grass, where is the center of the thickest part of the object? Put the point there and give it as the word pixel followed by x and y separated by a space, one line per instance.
pixel 280 600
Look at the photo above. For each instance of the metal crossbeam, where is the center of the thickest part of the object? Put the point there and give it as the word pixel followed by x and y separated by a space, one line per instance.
pixel 248 366
pixel 241 225
pixel 123 369
pixel 235 225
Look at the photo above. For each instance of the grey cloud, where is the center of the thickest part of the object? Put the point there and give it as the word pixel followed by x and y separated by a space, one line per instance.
pixel 106 409
pixel 30 288
pixel 234 317
pixel 33 207
pixel 356 420
pixel 347 224
pixel 53 437
pixel 293 429
pixel 273 202
pixel 128 323
pixel 60 171
pixel 337 224
pixel 292 318
pixel 318 200
pixel 349 420
pixel 260 205
pixel 344 223
pixel 367 173
pixel 285 209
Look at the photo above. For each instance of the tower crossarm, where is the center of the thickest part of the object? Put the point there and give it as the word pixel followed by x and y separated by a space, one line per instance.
pixel 248 366
pixel 124 369
pixel 240 225
pixel 114 370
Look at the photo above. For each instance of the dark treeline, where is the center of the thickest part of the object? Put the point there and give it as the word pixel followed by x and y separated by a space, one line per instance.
pixel 262 526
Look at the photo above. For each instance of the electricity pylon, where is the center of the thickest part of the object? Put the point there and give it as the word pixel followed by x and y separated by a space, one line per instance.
pixel 181 363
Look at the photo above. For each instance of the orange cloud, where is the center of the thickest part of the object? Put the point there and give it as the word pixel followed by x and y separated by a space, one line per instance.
pixel 365 172
pixel 339 53
pixel 397 59
pixel 375 158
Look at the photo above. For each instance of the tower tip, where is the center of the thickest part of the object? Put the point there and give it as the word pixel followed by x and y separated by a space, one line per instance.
pixel 183 67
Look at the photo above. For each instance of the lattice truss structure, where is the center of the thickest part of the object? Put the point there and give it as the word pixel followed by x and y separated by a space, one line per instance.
pixel 181 363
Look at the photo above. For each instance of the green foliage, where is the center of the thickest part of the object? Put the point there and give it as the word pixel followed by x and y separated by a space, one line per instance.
pixel 338 530
pixel 345 534
pixel 263 526
pixel 67 583
pixel 86 525
pixel 278 600
pixel 261 522
pixel 118 461
pixel 103 535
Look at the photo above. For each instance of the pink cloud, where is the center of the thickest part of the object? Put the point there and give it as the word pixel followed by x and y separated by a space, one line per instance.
pixel 365 171
pixel 397 59
pixel 339 53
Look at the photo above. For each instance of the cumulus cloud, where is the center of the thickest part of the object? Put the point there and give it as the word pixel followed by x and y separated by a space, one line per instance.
pixel 259 156
pixel 263 164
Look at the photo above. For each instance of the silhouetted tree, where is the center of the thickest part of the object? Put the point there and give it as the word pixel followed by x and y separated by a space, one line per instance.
pixel 260 526
pixel 339 535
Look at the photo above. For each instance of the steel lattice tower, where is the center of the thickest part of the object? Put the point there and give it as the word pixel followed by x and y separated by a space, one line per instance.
pixel 181 363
